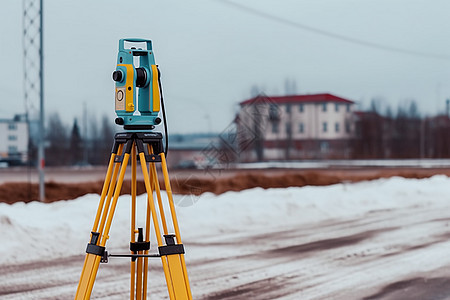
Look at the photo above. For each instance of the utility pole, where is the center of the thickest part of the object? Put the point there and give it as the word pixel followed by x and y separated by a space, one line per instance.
pixel 33 51
pixel 447 127
pixel 447 102
pixel 85 136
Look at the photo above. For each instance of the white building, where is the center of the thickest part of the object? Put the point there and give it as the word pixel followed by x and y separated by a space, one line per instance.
pixel 295 127
pixel 14 140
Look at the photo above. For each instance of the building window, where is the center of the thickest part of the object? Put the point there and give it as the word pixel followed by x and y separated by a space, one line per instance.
pixel 348 107
pixel 288 128
pixel 12 138
pixel 336 107
pixel 300 107
pixel 12 149
pixel 347 127
pixel 274 127
pixel 324 147
pixel 12 126
pixel 274 113
pixel 324 107
pixel 336 127
pixel 324 126
pixel 301 128
pixel 288 108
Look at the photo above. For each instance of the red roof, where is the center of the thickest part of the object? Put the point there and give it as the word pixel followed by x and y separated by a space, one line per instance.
pixel 313 98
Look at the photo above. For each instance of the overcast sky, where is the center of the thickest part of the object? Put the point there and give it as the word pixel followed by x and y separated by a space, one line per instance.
pixel 211 53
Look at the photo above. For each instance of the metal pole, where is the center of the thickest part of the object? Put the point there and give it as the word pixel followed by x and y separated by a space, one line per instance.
pixel 447 107
pixel 41 155
pixel 85 137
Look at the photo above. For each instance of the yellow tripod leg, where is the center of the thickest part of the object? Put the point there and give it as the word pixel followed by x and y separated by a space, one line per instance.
pixel 142 247
pixel 89 259
pixel 110 204
pixel 156 223
pixel 147 238
pixel 155 181
pixel 175 252
pixel 133 219
pixel 98 239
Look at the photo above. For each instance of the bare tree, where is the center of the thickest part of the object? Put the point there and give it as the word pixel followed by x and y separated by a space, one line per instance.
pixel 57 141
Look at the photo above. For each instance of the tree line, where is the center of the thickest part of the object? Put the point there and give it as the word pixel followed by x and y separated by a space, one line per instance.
pixel 386 135
pixel 405 134
pixel 67 145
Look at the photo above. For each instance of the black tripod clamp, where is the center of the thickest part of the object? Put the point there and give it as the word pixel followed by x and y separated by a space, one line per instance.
pixel 153 139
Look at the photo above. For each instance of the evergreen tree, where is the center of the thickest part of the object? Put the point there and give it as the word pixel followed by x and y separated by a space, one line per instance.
pixel 105 139
pixel 76 144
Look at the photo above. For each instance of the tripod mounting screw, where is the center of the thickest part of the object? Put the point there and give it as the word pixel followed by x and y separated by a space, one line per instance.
pixel 119 121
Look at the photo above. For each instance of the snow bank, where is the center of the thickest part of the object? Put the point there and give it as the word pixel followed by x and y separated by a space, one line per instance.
pixel 32 231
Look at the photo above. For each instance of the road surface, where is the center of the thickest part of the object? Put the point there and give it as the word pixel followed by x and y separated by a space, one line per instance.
pixel 386 254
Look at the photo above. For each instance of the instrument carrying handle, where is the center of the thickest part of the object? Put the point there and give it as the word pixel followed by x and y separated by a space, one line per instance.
pixel 135 40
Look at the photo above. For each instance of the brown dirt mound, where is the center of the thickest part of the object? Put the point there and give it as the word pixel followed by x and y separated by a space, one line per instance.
pixel 193 185
pixel 198 184
pixel 55 191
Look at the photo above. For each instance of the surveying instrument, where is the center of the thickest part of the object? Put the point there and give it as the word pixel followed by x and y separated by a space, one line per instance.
pixel 137 73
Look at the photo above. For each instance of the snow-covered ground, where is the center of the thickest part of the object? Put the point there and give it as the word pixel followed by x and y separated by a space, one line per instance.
pixel 372 240
pixel 349 163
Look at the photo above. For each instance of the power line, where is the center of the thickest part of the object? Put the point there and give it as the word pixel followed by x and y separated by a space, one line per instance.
pixel 344 38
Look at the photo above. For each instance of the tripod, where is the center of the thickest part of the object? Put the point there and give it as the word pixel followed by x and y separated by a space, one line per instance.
pixel 148 146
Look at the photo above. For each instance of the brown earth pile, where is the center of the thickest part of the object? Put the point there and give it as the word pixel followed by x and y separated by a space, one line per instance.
pixel 271 179
pixel 198 184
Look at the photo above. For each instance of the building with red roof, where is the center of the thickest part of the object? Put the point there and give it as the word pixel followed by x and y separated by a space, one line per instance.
pixel 295 127
pixel 295 99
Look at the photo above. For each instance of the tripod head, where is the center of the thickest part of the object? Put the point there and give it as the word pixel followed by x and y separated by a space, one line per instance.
pixel 136 71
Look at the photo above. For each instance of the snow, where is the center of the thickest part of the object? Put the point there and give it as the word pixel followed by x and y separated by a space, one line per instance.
pixel 29 232
pixel 314 164
pixel 39 226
